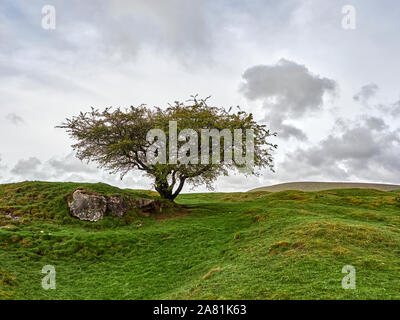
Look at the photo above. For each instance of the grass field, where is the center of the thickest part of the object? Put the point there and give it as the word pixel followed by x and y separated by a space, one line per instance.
pixel 258 245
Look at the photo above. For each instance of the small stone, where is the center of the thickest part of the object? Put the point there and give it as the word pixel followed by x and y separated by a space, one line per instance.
pixel 11 216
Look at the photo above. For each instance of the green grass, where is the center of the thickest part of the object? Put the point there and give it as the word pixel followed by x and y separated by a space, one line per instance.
pixel 258 245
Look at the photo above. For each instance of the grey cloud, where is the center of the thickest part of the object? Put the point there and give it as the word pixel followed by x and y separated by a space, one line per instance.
pixel 118 30
pixel 69 168
pixel 102 35
pixel 375 123
pixel 70 164
pixel 285 131
pixel 288 91
pixel 26 166
pixel 290 87
pixel 366 149
pixel 392 109
pixel 180 24
pixel 366 92
pixel 55 168
pixel 15 119
pixel 395 109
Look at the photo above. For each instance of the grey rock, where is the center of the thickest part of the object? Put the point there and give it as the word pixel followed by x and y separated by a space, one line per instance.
pixel 11 216
pixel 91 206
pixel 87 206
pixel 117 206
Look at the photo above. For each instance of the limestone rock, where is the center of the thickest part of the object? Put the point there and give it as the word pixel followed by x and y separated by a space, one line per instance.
pixel 87 206
pixel 117 206
pixel 91 206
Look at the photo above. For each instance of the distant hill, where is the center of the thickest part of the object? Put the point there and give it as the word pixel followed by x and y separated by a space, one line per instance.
pixel 319 186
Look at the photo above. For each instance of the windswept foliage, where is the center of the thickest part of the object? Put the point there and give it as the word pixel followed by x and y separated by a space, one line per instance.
pixel 117 140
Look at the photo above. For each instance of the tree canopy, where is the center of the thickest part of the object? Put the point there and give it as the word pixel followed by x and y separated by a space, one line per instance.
pixel 118 140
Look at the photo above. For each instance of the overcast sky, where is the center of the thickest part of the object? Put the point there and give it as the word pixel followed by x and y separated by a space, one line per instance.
pixel 332 94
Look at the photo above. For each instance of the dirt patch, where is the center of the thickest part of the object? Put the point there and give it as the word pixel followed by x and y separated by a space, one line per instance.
pixel 211 271
pixel 176 211
pixel 285 246
pixel 170 216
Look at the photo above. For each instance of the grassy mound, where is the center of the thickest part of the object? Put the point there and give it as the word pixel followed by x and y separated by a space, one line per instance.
pixel 259 245
pixel 47 201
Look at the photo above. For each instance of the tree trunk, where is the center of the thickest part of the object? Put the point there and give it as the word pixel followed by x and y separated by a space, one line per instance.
pixel 179 189
pixel 166 195
pixel 166 191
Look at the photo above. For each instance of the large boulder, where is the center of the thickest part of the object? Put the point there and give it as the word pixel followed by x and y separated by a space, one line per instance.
pixel 117 206
pixel 90 206
pixel 87 206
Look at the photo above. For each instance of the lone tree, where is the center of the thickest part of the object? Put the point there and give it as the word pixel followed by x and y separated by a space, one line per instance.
pixel 120 141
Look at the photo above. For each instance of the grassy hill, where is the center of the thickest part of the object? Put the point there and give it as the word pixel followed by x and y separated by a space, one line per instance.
pixel 258 245
pixel 320 186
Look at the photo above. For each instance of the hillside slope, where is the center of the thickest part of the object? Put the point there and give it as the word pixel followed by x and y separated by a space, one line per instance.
pixel 258 245
pixel 320 186
pixel 36 200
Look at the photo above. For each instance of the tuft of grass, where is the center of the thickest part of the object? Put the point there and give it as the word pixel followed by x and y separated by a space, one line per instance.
pixel 7 284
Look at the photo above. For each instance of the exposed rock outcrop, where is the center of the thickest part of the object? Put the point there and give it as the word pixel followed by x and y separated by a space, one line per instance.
pixel 91 206
pixel 117 206
pixel 87 206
